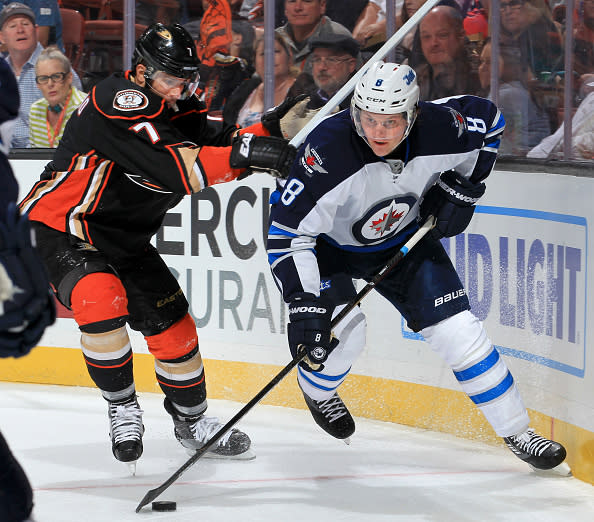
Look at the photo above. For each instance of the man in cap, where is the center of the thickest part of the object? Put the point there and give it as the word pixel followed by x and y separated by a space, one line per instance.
pixel 18 33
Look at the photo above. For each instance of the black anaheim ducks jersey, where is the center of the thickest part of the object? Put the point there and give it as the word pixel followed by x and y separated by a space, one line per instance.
pixel 124 160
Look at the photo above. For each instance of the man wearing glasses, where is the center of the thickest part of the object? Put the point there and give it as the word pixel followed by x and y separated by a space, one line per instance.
pixel 532 31
pixel 18 33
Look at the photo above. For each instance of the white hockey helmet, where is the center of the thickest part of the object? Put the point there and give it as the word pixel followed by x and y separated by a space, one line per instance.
pixel 386 88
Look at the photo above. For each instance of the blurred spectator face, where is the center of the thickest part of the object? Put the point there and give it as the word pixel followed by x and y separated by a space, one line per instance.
pixel 514 15
pixel 412 6
pixel 304 12
pixel 331 68
pixel 18 33
pixel 53 82
pixel 440 40
pixel 281 60
pixel 484 69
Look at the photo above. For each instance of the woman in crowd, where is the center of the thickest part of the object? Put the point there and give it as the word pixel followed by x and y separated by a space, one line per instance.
pixel 48 115
pixel 246 104
pixel 526 123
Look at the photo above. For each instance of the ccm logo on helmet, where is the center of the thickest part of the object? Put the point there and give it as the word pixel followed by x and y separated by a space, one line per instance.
pixel 311 309
pixel 376 100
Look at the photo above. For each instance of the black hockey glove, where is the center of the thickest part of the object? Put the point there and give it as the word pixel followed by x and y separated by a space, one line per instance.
pixel 25 295
pixel 273 118
pixel 309 330
pixel 262 153
pixel 451 201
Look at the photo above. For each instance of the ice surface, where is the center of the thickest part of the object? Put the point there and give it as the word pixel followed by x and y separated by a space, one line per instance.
pixel 388 473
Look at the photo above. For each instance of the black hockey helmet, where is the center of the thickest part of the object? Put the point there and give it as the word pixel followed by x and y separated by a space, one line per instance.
pixel 167 48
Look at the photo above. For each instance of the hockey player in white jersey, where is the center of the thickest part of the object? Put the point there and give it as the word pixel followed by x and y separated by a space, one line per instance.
pixel 362 182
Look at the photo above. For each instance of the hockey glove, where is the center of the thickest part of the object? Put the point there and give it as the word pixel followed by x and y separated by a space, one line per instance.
pixel 452 201
pixel 25 297
pixel 262 153
pixel 309 329
pixel 276 118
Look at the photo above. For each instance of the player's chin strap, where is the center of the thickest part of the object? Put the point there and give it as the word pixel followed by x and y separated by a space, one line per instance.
pixel 416 237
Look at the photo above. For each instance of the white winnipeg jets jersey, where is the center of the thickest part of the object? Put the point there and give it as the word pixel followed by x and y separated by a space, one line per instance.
pixel 340 190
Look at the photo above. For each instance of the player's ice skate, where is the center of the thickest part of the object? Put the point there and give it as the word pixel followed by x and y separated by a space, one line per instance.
pixel 332 416
pixel 194 432
pixel 543 455
pixel 126 430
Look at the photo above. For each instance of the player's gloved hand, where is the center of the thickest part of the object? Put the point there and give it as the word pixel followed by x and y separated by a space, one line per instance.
pixel 309 329
pixel 262 153
pixel 451 201
pixel 26 301
pixel 275 119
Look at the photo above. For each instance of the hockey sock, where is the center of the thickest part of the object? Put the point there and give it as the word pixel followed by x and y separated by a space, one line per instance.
pixel 109 361
pixel 183 382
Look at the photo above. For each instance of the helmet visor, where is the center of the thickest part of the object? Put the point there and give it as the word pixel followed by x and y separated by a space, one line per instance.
pixel 382 127
pixel 163 83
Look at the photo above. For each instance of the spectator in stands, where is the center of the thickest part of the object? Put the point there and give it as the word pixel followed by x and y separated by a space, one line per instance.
pixel 334 60
pixel 306 19
pixel 49 21
pixel 583 40
pixel 447 69
pixel 242 41
pixel 246 105
pixel 17 31
pixel 48 115
pixel 530 28
pixel 526 123
pixel 346 12
pixel 582 131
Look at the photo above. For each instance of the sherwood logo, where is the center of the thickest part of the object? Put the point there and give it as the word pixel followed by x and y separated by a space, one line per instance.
pixel 449 297
pixel 311 309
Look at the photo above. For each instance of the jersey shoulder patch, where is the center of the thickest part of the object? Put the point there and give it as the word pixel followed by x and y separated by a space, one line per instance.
pixel 130 100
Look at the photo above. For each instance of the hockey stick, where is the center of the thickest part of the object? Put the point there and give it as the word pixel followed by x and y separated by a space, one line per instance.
pixel 415 238
pixel 346 89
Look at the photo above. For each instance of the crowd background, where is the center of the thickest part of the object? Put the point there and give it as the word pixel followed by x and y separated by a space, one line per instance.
pixel 544 50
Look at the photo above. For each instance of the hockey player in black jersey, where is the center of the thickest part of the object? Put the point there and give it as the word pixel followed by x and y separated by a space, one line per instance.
pixel 362 182
pixel 136 145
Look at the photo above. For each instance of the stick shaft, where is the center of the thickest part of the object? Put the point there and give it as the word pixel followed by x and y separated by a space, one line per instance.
pixel 346 89
pixel 415 238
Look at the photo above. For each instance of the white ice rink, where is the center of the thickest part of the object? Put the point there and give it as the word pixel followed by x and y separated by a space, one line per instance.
pixel 388 473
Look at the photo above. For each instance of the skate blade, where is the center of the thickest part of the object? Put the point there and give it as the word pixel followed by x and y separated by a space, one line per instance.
pixel 250 454
pixel 562 470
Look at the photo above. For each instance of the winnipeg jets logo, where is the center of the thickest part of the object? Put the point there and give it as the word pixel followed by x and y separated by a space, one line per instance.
pixel 459 121
pixel 387 221
pixel 383 220
pixel 312 162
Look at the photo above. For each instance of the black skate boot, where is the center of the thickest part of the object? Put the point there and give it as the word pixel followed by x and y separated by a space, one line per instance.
pixel 332 416
pixel 126 430
pixel 194 432
pixel 540 453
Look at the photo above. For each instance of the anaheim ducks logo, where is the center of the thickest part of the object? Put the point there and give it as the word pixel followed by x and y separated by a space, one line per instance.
pixel 164 33
pixel 383 220
pixel 129 100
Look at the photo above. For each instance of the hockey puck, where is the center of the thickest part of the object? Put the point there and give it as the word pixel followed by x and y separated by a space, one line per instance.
pixel 164 505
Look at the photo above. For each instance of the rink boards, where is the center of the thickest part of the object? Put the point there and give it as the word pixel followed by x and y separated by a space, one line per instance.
pixel 524 261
